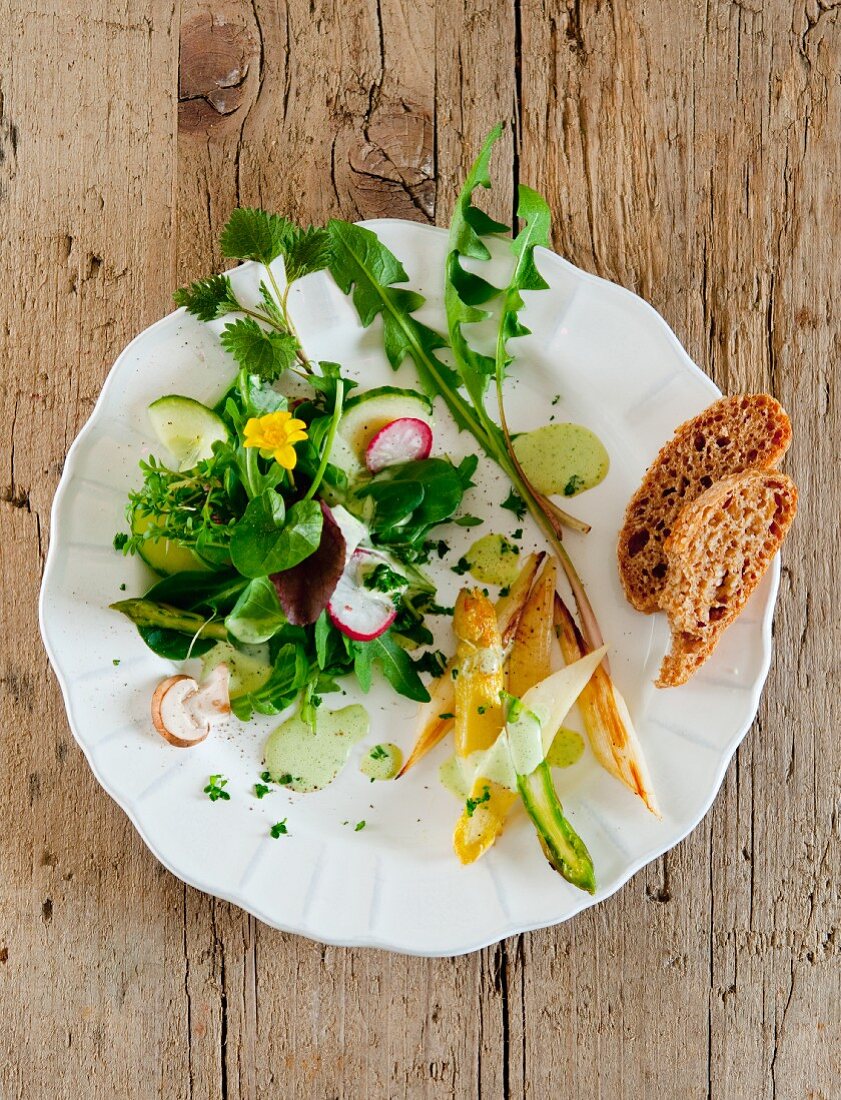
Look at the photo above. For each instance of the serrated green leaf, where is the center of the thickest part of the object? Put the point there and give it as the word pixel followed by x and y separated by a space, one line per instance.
pixel 534 212
pixel 363 266
pixel 270 307
pixel 253 234
pixel 266 354
pixel 208 298
pixel 307 251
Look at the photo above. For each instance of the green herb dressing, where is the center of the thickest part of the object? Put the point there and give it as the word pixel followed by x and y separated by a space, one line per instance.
pixel 494 559
pixel 250 668
pixel 314 757
pixel 562 459
pixel 566 749
pixel 382 762
pixel 452 777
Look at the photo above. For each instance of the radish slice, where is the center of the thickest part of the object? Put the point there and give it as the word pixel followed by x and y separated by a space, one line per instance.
pixel 403 440
pixel 359 612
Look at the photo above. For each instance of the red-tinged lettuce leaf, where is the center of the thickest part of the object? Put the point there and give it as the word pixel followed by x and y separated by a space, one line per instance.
pixel 304 590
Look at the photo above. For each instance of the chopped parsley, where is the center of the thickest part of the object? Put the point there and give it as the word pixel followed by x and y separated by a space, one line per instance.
pixel 260 789
pixel 505 590
pixel 214 789
pixel 481 710
pixel 444 717
pixel 515 503
pixel 468 521
pixel 266 777
pixel 455 672
pixel 359 826
pixel 471 804
pixel 378 753
pixel 574 485
pixel 385 579
pixel 442 548
pixel 123 587
pixel 461 567
pixel 120 540
pixel 115 661
pixel 518 534
pixel 285 780
pixel 279 829
pixel 556 399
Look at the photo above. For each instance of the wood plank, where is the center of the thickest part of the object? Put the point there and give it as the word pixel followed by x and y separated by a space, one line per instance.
pixel 688 160
pixel 89 939
pixel 691 158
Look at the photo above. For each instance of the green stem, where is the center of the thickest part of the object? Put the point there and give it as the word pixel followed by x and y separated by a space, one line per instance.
pixel 328 443
pixel 252 471
pixel 281 301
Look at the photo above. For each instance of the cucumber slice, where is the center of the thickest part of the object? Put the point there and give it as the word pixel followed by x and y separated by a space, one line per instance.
pixel 162 555
pixel 368 412
pixel 186 428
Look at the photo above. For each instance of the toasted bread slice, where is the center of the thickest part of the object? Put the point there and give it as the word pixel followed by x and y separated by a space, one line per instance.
pixel 751 431
pixel 719 549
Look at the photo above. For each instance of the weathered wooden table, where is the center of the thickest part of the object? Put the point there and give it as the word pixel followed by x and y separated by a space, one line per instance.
pixel 691 152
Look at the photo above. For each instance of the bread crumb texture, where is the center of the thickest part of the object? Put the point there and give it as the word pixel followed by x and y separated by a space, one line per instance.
pixel 718 550
pixel 745 432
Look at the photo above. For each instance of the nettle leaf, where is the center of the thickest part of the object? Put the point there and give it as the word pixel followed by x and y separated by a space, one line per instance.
pixel 307 251
pixel 253 234
pixel 208 298
pixel 270 307
pixel 266 354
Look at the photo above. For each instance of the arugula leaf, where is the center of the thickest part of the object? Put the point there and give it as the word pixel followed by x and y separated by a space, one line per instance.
pixel 253 234
pixel 268 539
pixel 362 665
pixel 397 667
pixel 266 354
pixel 208 298
pixel 257 614
pixel 288 676
pixel 321 636
pixel 307 251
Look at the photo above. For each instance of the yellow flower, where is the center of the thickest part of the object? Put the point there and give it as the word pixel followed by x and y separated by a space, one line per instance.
pixel 276 433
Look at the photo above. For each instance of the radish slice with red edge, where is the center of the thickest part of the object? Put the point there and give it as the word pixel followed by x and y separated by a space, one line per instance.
pixel 405 440
pixel 359 612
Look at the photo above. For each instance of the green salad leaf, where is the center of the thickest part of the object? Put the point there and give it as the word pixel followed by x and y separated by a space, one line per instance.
pixel 257 614
pixel 269 540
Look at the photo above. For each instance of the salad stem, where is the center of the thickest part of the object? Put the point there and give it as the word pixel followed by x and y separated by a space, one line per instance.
pixel 290 327
pixel 328 442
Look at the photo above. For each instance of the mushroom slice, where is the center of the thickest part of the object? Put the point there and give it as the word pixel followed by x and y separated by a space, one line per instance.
pixel 183 711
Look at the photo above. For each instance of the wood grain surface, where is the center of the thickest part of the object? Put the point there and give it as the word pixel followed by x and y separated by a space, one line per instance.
pixel 690 151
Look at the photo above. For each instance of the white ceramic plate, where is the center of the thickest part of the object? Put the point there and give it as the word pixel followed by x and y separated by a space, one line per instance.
pixel 620 370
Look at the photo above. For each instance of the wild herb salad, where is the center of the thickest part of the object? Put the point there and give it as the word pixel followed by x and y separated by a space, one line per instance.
pixel 300 518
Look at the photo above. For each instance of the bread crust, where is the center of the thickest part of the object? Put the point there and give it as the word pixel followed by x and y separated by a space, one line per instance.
pixel 720 548
pixel 748 431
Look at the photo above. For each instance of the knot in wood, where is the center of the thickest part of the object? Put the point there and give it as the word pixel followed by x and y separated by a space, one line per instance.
pixel 215 61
